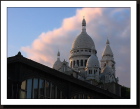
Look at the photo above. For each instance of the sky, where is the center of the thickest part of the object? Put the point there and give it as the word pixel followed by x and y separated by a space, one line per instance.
pixel 40 32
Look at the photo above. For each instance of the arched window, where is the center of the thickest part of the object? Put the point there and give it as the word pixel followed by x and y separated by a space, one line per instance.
pixel 81 62
pixel 89 71
pixel 73 63
pixel 85 62
pixel 39 88
pixel 78 62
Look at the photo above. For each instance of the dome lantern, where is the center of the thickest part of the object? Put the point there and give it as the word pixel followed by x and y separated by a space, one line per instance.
pixel 58 63
pixel 84 25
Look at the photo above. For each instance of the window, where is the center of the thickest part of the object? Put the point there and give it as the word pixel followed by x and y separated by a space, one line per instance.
pixel 52 91
pixel 74 63
pixel 81 62
pixel 39 88
pixel 78 62
pixel 29 88
pixel 85 62
pixel 47 89
pixel 94 71
pixel 35 88
pixel 90 71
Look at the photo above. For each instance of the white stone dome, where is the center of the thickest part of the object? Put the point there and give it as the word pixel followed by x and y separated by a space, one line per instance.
pixel 92 61
pixel 57 64
pixel 83 41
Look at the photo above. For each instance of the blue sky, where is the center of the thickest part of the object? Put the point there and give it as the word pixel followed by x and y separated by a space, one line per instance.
pixel 26 24
pixel 39 32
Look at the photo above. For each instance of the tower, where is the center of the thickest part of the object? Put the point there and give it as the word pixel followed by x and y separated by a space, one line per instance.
pixel 107 58
pixel 81 49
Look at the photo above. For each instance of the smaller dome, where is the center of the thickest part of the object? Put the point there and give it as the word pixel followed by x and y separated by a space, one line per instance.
pixel 57 64
pixel 92 61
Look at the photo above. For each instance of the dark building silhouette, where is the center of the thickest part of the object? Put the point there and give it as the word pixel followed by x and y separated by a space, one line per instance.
pixel 32 80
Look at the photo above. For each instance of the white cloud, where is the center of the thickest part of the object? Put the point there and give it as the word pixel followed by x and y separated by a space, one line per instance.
pixel 113 23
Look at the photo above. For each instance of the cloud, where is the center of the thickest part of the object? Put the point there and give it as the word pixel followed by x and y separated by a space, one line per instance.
pixel 113 23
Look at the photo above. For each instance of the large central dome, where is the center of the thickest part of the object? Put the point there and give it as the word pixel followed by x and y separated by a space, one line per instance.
pixel 83 41
pixel 81 49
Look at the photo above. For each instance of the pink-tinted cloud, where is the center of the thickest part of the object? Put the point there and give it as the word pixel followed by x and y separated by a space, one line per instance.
pixel 113 23
pixel 55 39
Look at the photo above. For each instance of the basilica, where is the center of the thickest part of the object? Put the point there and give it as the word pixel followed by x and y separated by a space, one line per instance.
pixel 84 77
pixel 84 63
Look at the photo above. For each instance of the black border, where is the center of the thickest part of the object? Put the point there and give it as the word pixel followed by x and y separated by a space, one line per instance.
pixel 91 106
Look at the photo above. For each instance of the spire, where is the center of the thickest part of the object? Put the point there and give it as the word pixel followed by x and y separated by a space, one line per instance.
pixel 58 55
pixel 83 24
pixel 107 50
pixel 107 42
pixel 84 21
